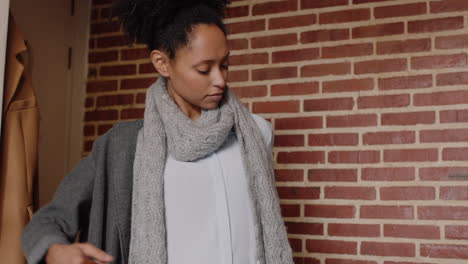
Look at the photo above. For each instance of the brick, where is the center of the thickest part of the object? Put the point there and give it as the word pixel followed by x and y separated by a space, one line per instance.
pixel 350 15
pixel 308 4
pixel 368 1
pixel 290 210
pixel 452 42
pixel 412 231
pixel 92 43
pixel 350 85
pixel 406 82
pixel 403 46
pixel 135 54
pixel 110 100
pixel 448 6
pixel 112 41
pixel 105 13
pixel 407 193
pixel 443 173
pixel 452 78
pixel 386 212
pixel 331 246
pixel 392 137
pixel 388 249
pixel 289 141
pixel 250 91
pixel 379 30
pixel 276 107
pixel 293 21
pixel 296 245
pixel 141 98
pixel 354 230
pixel 104 27
pixel 330 104
pixel 246 26
pixel 445 135
pixel 359 120
pixel 295 89
pixel 304 228
pixel 295 55
pixel 324 35
pixel 136 83
pixel 101 86
pixel 400 10
pixel 383 101
pixel 332 175
pixel 89 102
pixel 298 192
pixel 101 2
pixel 92 72
pixel 333 139
pixel 274 7
pixel 358 157
pixel 301 157
pixel 238 44
pixel 246 59
pixel 388 174
pixel 348 261
pixel 88 145
pixel 379 66
pixel 454 116
pixel 454 192
pixel 441 98
pixel 238 76
pixel 105 56
pixel 326 69
pixel 274 41
pixel 444 251
pixel 392 262
pixel 238 11
pixel 407 119
pixel 443 212
pixel 89 130
pixel 329 211
pixel 456 232
pixel 289 175
pixel 311 122
pixel 117 70
pixel 274 73
pixel 434 25
pixel 146 68
pixel 410 155
pixel 302 260
pixel 102 129
pixel 101 115
pixel 132 113
pixel 350 193
pixel 349 50
pixel 455 154
pixel 439 61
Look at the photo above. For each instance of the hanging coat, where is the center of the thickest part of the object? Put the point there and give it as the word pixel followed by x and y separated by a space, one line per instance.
pixel 18 146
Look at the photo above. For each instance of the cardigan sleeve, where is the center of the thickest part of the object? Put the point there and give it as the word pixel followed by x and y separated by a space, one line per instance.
pixel 68 212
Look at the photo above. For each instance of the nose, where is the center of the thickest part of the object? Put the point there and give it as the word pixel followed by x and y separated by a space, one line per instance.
pixel 220 78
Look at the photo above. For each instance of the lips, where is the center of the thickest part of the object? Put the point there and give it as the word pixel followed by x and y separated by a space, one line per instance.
pixel 216 97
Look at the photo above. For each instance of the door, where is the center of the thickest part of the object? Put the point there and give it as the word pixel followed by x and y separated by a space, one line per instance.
pixel 56 32
pixel 4 5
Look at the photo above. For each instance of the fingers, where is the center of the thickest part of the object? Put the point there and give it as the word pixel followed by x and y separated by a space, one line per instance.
pixel 95 253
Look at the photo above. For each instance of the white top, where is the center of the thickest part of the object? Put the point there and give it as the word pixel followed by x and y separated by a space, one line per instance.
pixel 208 213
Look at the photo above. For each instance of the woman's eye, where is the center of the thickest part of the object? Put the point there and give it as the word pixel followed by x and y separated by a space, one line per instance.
pixel 204 72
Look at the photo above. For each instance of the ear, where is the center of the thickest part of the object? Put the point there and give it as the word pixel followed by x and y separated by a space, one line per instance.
pixel 160 62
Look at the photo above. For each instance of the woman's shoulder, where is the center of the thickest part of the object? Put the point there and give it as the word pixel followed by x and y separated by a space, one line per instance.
pixel 265 128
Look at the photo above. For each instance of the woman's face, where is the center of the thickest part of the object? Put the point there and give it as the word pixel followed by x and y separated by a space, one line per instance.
pixel 197 75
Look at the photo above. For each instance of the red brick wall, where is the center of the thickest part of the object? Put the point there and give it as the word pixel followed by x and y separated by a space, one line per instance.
pixel 369 101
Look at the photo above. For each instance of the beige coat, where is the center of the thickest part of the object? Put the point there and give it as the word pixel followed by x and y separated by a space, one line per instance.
pixel 18 154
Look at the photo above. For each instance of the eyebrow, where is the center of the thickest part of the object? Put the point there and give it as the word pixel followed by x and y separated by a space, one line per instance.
pixel 211 61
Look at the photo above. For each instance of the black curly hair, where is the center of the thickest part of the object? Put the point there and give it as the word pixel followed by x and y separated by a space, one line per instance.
pixel 166 24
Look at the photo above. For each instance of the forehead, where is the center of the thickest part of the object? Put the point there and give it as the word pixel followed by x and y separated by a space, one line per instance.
pixel 206 42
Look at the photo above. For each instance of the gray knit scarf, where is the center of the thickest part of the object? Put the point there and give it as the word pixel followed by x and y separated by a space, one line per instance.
pixel 167 130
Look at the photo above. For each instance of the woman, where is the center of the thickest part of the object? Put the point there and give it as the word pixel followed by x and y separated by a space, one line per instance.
pixel 191 183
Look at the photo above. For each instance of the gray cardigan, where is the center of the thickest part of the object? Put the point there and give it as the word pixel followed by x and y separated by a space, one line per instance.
pixel 94 199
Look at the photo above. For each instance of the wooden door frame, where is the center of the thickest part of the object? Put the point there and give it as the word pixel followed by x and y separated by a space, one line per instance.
pixel 4 8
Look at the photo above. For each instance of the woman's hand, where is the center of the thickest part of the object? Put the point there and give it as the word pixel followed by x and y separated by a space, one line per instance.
pixel 77 253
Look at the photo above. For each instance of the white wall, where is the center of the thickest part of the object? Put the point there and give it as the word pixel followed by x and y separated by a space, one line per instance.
pixel 4 6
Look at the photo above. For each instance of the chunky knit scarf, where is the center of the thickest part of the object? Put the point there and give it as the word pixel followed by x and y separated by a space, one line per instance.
pixel 167 130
